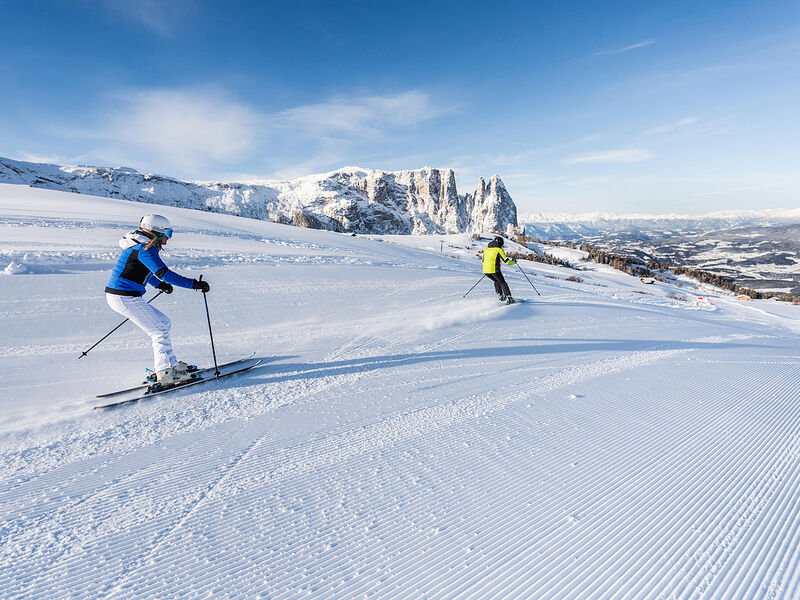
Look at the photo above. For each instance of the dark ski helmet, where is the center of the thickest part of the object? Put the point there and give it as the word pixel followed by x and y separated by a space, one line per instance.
pixel 499 241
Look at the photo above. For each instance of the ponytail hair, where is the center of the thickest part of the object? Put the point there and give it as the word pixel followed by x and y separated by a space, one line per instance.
pixel 154 239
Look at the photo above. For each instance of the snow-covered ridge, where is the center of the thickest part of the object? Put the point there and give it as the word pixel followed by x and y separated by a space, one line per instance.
pixel 350 199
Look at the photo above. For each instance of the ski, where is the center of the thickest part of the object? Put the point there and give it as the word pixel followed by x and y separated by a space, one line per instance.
pixel 209 376
pixel 198 372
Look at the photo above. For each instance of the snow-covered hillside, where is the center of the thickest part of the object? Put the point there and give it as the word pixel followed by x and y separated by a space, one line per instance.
pixel 606 440
pixel 350 199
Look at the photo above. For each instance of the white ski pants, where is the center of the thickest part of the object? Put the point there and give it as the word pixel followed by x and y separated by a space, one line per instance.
pixel 154 323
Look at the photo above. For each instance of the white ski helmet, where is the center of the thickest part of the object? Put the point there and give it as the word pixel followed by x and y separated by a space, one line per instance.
pixel 156 224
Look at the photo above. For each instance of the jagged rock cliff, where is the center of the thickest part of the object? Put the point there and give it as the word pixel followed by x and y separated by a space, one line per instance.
pixel 490 207
pixel 350 199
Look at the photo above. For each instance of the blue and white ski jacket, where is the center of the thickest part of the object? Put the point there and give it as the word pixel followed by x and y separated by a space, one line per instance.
pixel 137 267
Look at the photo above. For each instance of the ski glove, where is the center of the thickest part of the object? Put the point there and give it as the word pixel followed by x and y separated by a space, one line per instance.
pixel 199 284
pixel 165 287
pixel 511 261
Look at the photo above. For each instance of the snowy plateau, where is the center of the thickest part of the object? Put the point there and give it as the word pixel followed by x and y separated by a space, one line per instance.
pixel 348 200
pixel 605 440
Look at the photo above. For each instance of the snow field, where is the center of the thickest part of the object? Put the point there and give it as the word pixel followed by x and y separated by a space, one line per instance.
pixel 399 441
pixel 445 489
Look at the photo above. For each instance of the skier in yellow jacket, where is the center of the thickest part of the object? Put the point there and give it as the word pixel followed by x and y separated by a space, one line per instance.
pixel 492 257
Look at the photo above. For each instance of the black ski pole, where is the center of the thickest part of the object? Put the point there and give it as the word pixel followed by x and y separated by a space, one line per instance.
pixel 211 335
pixel 85 352
pixel 474 286
pixel 529 281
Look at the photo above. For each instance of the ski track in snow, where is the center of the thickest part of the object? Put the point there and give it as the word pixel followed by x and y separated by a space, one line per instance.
pixel 314 456
pixel 399 442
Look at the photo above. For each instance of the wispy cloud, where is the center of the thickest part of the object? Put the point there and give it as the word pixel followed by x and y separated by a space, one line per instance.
pixel 625 48
pixel 588 181
pixel 513 160
pixel 195 130
pixel 361 116
pixel 156 15
pixel 185 128
pixel 326 152
pixel 50 159
pixel 332 133
pixel 671 126
pixel 630 155
pixel 745 188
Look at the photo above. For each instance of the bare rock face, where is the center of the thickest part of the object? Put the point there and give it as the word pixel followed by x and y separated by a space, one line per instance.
pixel 422 201
pixel 490 207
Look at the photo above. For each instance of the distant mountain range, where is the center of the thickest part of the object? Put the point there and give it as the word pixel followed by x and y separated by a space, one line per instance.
pixel 574 227
pixel 758 249
pixel 350 199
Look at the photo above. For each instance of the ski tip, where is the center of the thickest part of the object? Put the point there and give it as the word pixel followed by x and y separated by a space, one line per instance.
pixel 115 404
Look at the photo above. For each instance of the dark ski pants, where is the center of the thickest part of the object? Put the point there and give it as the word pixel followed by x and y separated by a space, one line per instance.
pixel 500 285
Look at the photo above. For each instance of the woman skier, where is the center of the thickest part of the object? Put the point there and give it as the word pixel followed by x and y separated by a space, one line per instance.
pixel 140 264
pixel 492 257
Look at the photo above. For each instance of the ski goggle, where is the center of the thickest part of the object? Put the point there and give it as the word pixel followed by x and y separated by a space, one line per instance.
pixel 167 233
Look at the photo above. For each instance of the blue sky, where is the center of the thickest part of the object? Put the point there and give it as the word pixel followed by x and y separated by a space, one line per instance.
pixel 579 106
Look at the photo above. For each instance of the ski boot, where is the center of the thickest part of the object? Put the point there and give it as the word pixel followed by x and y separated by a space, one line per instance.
pixel 182 367
pixel 501 297
pixel 510 300
pixel 172 376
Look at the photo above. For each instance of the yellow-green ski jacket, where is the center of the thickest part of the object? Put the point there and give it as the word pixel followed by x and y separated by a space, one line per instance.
pixel 492 257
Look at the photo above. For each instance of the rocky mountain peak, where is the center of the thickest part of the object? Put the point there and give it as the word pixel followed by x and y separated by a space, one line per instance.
pixel 490 207
pixel 350 199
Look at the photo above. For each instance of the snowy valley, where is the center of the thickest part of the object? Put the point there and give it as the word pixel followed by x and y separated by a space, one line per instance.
pixel 606 440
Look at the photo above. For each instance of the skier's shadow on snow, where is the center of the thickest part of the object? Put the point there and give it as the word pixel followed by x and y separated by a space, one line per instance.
pixel 276 373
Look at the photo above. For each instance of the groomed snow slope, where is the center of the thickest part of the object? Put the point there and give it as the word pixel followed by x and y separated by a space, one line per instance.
pixel 601 441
